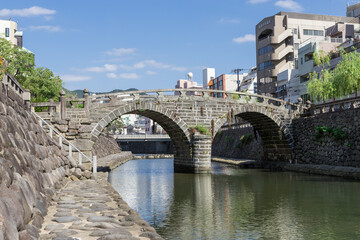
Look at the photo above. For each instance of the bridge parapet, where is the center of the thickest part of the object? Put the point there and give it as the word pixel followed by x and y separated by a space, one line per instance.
pixel 334 106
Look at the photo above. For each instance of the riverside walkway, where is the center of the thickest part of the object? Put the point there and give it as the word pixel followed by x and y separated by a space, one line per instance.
pixel 89 209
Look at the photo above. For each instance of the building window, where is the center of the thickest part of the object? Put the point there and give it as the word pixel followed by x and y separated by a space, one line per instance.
pixel 308 57
pixel 313 32
pixel 265 65
pixel 295 31
pixel 264 50
pixel 7 32
pixel 304 79
pixel 302 62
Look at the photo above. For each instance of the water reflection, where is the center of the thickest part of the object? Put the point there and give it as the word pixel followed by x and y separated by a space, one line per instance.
pixel 239 204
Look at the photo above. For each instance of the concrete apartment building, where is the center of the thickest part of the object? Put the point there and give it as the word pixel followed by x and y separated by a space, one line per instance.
pixel 8 30
pixel 278 38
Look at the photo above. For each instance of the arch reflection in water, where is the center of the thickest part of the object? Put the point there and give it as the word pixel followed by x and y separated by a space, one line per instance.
pixel 239 204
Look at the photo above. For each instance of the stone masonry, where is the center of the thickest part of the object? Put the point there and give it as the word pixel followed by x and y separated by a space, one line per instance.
pixel 179 115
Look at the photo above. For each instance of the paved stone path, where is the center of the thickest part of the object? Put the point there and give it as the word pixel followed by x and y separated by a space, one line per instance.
pixel 90 209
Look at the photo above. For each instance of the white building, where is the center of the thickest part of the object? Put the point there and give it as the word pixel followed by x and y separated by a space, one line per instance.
pixel 208 75
pixel 249 82
pixel 8 30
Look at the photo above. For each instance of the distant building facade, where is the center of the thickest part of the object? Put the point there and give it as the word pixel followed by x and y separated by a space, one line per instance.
pixel 208 75
pixel 278 38
pixel 225 82
pixel 249 82
pixel 187 84
pixel 8 30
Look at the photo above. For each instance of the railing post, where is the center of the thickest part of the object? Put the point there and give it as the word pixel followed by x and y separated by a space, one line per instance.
pixel 86 102
pixel 51 132
pixel 62 105
pixel 95 167
pixel 70 150
pixel 51 109
pixel 60 142
pixel 300 105
pixel 80 158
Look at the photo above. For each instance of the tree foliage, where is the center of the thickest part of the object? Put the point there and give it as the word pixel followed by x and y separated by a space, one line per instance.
pixel 341 81
pixel 43 85
pixel 117 124
pixel 41 82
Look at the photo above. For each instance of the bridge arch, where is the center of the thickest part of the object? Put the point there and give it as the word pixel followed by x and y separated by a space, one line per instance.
pixel 273 130
pixel 167 119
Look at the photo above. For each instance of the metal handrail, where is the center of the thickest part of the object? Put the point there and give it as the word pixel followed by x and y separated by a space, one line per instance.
pixel 61 138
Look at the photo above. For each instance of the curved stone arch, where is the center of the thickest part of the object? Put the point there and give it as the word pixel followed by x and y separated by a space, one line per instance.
pixel 168 120
pixel 275 134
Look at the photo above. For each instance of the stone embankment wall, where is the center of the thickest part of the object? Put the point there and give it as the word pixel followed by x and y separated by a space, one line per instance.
pixel 338 145
pixel 228 144
pixel 32 168
pixel 104 146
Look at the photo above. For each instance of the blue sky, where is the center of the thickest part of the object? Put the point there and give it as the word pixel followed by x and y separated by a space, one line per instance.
pixel 146 44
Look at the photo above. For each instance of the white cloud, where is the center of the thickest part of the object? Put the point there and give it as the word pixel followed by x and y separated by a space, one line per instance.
pixel 150 73
pixel 47 28
pixel 123 75
pixel 229 20
pixel 120 51
pixel 290 5
pixel 105 68
pixel 74 78
pixel 111 75
pixel 26 12
pixel 155 64
pixel 246 38
pixel 257 1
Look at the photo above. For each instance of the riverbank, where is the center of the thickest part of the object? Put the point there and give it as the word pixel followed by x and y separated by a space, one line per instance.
pixel 152 156
pixel 325 170
pixel 92 209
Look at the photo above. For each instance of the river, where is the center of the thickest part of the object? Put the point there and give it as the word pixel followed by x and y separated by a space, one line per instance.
pixel 236 203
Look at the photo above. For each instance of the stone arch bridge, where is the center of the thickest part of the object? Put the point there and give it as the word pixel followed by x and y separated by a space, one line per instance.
pixel 181 113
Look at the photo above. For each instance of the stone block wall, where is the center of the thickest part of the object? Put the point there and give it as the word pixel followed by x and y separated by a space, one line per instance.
pixel 32 167
pixel 329 149
pixel 104 146
pixel 227 144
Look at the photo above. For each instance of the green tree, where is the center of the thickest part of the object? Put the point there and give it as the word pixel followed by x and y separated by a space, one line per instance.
pixel 347 74
pixel 320 86
pixel 117 124
pixel 43 85
pixel 41 82
pixel 342 81
pixel 20 62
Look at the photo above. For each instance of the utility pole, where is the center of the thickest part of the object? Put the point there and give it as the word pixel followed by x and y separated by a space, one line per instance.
pixel 237 71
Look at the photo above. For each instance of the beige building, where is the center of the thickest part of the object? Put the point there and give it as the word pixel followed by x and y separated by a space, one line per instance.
pixel 8 30
pixel 278 38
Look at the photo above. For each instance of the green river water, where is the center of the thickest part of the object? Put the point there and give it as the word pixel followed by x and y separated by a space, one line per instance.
pixel 236 203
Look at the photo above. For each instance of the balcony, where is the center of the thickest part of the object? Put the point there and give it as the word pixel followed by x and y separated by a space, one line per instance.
pixel 281 37
pixel 282 53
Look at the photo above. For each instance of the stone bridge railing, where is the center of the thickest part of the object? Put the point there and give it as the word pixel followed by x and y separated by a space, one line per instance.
pixel 110 99
pixel 335 106
pixel 63 109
